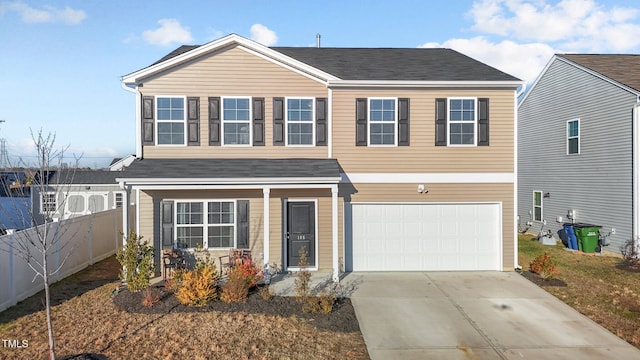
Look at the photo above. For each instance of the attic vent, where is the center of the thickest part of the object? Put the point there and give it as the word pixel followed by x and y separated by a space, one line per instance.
pixel 318 36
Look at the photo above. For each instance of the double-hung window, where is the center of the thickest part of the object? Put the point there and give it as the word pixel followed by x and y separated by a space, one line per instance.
pixel 383 121
pixel 170 120
pixel 205 224
pixel 300 115
pixel 573 137
pixel 463 121
pixel 236 120
pixel 537 205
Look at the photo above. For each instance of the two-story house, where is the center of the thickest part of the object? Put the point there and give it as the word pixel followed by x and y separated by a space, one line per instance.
pixel 371 159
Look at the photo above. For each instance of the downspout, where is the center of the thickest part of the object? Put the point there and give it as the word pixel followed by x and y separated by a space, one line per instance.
pixel 515 176
pixel 134 89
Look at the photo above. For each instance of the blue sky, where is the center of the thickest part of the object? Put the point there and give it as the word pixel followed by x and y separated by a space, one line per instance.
pixel 61 61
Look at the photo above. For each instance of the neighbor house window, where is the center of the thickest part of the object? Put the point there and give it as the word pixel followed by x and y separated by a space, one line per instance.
pixel 236 120
pixel 537 205
pixel 118 200
pixel 300 121
pixel 573 137
pixel 382 121
pixel 170 120
pixel 205 224
pixel 462 121
pixel 48 203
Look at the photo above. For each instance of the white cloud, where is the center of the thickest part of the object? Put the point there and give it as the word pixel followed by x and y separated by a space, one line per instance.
pixel 47 14
pixel 169 32
pixel 263 35
pixel 576 25
pixel 524 61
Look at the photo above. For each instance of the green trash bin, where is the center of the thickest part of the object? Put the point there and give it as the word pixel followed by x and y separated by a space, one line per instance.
pixel 588 236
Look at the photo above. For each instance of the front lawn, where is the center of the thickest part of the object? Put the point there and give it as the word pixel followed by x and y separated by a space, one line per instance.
pixel 600 287
pixel 87 321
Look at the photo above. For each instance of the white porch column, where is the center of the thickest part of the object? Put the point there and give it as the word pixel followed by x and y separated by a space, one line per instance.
pixel 334 232
pixel 125 212
pixel 265 199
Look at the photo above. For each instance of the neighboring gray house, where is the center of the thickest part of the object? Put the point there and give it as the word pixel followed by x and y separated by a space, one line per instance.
pixel 80 193
pixel 579 146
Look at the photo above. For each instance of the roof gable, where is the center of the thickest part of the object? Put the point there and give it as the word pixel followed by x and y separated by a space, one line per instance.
pixel 622 68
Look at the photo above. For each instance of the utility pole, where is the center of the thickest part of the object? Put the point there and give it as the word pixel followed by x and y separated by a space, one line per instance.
pixel 4 157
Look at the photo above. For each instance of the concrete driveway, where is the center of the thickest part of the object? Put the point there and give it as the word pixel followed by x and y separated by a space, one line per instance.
pixel 479 315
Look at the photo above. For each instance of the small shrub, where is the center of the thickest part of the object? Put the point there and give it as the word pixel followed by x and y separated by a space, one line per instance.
pixel 265 293
pixel 240 278
pixel 150 297
pixel 631 252
pixel 198 286
pixel 322 303
pixel 175 280
pixel 543 266
pixel 303 278
pixel 136 258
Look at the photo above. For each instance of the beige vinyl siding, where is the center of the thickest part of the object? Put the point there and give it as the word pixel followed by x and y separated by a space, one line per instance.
pixel 233 72
pixel 444 193
pixel 324 214
pixel 422 155
pixel 256 228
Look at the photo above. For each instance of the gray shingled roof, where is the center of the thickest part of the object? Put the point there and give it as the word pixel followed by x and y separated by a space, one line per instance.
pixel 623 68
pixel 85 177
pixel 231 168
pixel 403 64
pixel 432 64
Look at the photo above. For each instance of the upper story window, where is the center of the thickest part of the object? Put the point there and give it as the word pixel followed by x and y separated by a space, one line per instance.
pixel 462 121
pixel 236 120
pixel 573 137
pixel 382 121
pixel 300 126
pixel 170 115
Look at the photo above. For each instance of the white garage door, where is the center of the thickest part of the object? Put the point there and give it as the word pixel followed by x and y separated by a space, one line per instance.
pixel 426 237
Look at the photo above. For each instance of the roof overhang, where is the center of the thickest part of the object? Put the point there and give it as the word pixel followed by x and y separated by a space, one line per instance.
pixel 424 84
pixel 248 45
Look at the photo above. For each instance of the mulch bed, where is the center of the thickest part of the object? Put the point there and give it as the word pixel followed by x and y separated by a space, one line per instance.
pixel 341 319
pixel 633 267
pixel 536 279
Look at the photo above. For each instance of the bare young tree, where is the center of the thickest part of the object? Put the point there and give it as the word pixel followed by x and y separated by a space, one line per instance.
pixel 48 178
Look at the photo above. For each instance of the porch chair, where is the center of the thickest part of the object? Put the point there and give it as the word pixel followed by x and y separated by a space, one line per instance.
pixel 235 256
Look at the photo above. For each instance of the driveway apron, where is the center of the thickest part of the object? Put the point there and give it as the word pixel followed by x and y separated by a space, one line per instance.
pixel 473 315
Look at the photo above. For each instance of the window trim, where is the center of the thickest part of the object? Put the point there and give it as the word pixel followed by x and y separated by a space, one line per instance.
pixel 475 121
pixel 541 206
pixel 577 120
pixel 205 222
pixel 395 122
pixel 158 121
pixel 42 202
pixel 313 120
pixel 224 121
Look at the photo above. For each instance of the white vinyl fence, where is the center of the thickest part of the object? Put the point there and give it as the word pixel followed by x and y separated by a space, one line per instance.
pixel 86 240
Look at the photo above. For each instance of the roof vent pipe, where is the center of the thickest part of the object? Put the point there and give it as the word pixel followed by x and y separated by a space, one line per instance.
pixel 318 40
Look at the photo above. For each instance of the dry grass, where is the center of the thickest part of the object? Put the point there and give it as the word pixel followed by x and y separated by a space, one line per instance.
pixel 86 321
pixel 597 286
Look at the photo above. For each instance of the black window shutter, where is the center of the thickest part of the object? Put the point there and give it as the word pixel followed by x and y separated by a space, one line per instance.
pixel 148 116
pixel 321 122
pixel 214 121
pixel 258 121
pixel 483 122
pixel 403 122
pixel 166 229
pixel 361 122
pixel 193 121
pixel 441 122
pixel 278 121
pixel 243 224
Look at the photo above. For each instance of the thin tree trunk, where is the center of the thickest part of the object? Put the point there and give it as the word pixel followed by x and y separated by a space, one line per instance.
pixel 47 299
